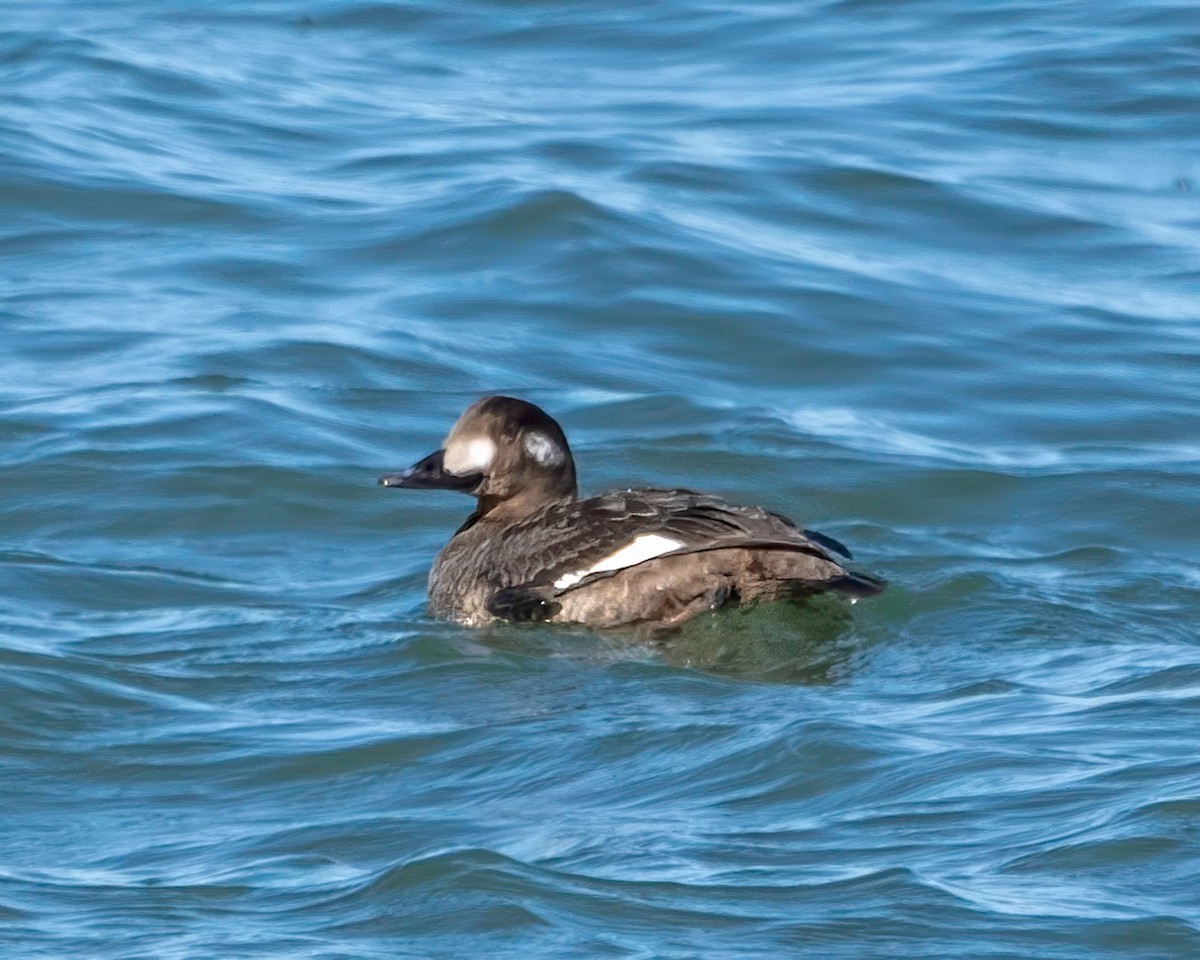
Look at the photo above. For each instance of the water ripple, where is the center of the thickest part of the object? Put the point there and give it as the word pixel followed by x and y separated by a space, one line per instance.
pixel 921 276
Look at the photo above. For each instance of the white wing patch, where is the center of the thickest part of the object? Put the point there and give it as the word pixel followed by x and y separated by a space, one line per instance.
pixel 643 548
pixel 469 456
pixel 543 449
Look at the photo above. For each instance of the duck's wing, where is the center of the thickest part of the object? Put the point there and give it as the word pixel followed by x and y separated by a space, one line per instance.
pixel 573 545
pixel 576 543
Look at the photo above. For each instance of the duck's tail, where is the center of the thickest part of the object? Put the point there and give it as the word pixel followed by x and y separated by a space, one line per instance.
pixel 855 584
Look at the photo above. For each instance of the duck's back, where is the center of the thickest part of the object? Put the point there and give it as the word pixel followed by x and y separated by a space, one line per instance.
pixel 635 556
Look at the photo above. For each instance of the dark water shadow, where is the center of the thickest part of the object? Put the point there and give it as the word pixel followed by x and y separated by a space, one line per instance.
pixel 809 642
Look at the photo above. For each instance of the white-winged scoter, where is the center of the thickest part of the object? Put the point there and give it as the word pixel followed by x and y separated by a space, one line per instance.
pixel 532 550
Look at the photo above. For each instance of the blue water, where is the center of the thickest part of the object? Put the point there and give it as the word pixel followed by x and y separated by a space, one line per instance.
pixel 922 275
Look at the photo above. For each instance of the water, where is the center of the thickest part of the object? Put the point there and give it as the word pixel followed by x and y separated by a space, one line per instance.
pixel 922 275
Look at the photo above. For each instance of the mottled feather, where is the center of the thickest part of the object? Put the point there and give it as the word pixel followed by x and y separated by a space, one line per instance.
pixel 573 536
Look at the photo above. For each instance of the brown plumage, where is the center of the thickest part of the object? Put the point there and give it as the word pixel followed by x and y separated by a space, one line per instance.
pixel 533 551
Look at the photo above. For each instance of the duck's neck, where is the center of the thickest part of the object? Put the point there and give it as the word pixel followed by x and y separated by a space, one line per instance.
pixel 508 510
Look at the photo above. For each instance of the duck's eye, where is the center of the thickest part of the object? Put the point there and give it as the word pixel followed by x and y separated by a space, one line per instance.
pixel 543 449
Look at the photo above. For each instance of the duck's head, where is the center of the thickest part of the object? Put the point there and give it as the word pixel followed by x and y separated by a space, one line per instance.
pixel 502 450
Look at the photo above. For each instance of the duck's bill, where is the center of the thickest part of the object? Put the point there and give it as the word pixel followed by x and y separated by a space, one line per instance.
pixel 431 474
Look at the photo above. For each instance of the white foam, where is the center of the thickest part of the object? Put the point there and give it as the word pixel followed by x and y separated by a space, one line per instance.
pixel 873 435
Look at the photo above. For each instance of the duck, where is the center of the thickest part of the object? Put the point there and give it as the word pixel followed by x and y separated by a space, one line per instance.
pixel 533 550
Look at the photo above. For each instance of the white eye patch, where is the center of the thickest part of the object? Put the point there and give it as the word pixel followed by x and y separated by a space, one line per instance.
pixel 543 449
pixel 469 456
pixel 646 547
